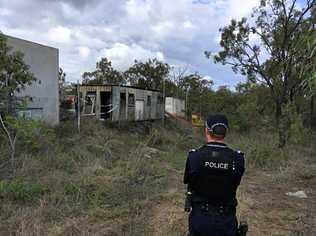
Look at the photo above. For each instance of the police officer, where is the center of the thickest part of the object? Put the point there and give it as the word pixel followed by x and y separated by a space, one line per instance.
pixel 213 173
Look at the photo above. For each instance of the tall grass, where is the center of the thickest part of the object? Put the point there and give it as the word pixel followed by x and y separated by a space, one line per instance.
pixel 105 180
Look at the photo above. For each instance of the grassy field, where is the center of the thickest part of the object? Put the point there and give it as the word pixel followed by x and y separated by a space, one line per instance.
pixel 128 181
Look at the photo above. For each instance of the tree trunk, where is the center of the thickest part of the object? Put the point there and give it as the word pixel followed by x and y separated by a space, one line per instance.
pixel 281 124
pixel 278 112
pixel 312 122
pixel 282 134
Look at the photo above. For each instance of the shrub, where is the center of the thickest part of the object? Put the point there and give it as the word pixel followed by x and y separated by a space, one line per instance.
pixel 297 132
pixel 260 149
pixel 20 190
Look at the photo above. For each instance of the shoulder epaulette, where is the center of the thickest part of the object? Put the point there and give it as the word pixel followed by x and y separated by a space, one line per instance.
pixel 240 153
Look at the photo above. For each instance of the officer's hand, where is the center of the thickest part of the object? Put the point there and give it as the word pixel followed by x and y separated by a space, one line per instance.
pixel 187 209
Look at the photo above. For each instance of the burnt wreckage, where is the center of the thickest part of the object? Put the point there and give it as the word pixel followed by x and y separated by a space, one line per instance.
pixel 121 103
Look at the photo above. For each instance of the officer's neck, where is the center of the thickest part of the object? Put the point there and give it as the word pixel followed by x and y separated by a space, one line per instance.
pixel 210 139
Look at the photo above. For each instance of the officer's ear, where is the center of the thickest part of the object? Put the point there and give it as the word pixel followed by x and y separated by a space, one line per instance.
pixel 207 132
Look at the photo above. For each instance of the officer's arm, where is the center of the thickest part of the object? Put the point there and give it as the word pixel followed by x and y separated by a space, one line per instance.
pixel 186 172
pixel 240 165
pixel 186 180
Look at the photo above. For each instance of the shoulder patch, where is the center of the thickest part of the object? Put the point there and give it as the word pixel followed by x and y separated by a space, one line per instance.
pixel 195 149
pixel 240 153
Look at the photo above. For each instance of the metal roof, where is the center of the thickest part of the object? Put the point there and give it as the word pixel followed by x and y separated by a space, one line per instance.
pixel 124 86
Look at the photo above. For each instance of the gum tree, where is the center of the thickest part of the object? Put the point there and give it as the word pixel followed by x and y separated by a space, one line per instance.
pixel 104 74
pixel 271 49
pixel 148 75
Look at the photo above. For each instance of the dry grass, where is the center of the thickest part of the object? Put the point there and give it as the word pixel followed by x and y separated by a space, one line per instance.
pixel 129 182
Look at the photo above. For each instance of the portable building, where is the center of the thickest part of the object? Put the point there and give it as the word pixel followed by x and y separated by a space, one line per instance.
pixel 175 106
pixel 119 103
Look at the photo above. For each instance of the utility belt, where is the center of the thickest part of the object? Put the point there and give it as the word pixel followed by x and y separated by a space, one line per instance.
pixel 193 201
pixel 210 208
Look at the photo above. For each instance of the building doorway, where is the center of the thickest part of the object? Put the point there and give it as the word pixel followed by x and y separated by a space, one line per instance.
pixel 106 105
pixel 122 106
pixel 139 110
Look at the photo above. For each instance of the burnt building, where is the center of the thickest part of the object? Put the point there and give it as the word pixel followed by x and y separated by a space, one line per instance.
pixel 124 103
pixel 175 106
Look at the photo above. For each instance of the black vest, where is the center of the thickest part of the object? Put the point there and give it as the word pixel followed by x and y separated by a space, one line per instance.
pixel 216 172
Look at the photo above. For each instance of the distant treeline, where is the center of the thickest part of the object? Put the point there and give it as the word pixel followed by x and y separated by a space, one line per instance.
pixel 250 105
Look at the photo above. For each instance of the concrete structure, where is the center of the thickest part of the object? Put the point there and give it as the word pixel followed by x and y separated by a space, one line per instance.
pixel 124 103
pixel 175 106
pixel 44 64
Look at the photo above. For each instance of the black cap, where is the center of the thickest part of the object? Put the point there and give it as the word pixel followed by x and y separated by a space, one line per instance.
pixel 217 124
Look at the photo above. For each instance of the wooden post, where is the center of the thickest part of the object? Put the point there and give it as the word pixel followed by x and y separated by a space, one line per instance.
pixel 119 104
pixel 164 101
pixel 126 104
pixel 186 103
pixel 78 105
pixel 84 94
pixel 98 104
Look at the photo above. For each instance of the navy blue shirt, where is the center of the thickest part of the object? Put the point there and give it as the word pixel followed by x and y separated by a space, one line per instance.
pixel 213 173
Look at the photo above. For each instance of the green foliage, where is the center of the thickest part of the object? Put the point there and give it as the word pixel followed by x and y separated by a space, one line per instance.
pixel 92 176
pixel 140 178
pixel 177 159
pixel 297 132
pixel 148 75
pixel 197 92
pixel 260 148
pixel 33 135
pixel 20 190
pixel 283 56
pixel 104 74
pixel 14 75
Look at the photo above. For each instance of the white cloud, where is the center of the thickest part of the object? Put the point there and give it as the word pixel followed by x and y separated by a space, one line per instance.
pixel 188 25
pixel 5 12
pixel 163 29
pixel 84 52
pixel 177 31
pixel 123 56
pixel 59 34
pixel 240 8
pixel 138 9
pixel 208 77
pixel 232 9
pixel 69 11
pixel 84 36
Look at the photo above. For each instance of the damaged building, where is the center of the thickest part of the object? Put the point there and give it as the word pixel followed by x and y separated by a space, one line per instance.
pixel 124 103
pixel 175 106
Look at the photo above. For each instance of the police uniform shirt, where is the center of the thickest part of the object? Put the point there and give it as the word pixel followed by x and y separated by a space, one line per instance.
pixel 213 173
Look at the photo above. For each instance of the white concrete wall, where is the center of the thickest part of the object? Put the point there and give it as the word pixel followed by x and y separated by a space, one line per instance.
pixel 44 64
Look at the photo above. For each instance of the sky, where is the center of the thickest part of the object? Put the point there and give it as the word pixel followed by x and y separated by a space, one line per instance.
pixel 174 31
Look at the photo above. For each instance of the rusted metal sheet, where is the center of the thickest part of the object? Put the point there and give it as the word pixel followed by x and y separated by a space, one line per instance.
pixel 92 88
